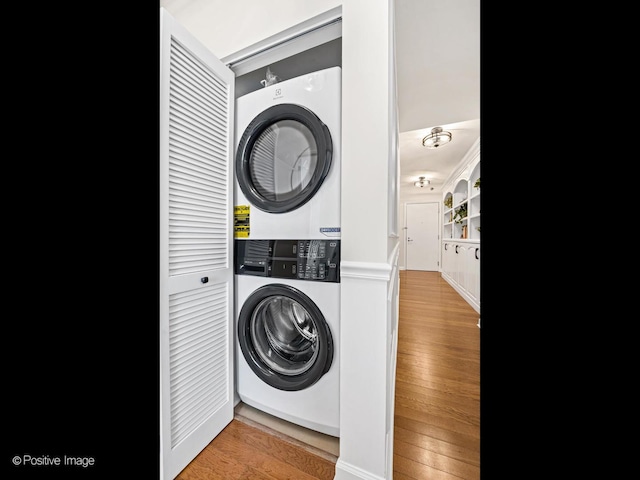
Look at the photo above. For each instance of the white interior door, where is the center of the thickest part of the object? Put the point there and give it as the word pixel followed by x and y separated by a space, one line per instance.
pixel 196 268
pixel 422 241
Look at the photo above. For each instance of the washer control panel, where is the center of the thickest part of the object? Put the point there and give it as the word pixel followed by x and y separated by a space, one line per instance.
pixel 316 260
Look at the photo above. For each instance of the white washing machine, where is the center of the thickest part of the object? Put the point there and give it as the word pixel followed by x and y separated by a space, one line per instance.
pixel 287 166
pixel 287 325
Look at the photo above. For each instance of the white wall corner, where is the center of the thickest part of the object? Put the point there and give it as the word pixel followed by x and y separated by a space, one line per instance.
pixel 394 255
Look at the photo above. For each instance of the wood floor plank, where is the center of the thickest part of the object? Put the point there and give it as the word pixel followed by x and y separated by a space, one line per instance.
pixel 440 383
pixel 424 442
pixel 297 458
pixel 461 418
pixel 260 460
pixel 441 434
pixel 421 394
pixel 439 418
pixel 456 369
pixel 417 471
pixel 212 463
pixel 437 461
pixel 243 452
pixel 413 346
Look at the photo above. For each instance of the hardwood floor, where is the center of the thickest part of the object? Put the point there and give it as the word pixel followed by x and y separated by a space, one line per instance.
pixel 437 402
pixel 241 451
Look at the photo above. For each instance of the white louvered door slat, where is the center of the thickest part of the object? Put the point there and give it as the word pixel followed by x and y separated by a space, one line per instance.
pixel 196 222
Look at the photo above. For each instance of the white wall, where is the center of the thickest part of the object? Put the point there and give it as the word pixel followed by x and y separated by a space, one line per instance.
pixel 365 123
pixel 368 313
pixel 227 26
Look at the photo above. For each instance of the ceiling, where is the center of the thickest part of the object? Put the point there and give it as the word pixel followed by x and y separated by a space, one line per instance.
pixel 438 84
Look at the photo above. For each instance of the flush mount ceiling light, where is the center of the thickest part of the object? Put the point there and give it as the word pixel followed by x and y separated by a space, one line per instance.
pixel 436 138
pixel 422 182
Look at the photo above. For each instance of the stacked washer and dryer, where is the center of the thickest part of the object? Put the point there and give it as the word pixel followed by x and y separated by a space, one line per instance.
pixel 287 249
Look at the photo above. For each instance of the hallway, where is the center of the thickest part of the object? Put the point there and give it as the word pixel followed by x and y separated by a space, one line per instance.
pixel 437 409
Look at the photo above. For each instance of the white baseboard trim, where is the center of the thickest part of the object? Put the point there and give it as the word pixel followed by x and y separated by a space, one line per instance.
pixel 473 303
pixel 346 471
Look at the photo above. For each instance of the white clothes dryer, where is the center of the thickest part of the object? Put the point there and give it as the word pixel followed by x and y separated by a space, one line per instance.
pixel 287 165
pixel 287 326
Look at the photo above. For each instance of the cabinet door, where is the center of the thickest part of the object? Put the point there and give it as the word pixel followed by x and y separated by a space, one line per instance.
pixel 448 259
pixel 473 272
pixel 196 276
pixel 460 276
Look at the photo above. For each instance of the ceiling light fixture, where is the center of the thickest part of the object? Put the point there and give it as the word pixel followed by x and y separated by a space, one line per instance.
pixel 422 182
pixel 436 138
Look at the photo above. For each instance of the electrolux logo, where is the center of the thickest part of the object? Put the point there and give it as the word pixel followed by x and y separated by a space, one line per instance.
pixel 278 93
pixel 330 231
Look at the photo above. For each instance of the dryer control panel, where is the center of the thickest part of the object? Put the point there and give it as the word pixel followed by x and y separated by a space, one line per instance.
pixel 316 260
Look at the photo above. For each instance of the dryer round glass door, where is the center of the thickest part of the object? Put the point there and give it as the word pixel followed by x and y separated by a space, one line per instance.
pixel 283 157
pixel 284 337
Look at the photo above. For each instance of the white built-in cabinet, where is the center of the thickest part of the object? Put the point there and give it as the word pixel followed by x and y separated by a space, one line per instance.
pixel 460 250
pixel 472 268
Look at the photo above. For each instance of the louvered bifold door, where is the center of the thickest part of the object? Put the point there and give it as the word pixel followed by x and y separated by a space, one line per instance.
pixel 196 276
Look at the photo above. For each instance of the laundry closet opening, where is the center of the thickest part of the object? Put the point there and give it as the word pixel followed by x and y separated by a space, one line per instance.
pixel 304 49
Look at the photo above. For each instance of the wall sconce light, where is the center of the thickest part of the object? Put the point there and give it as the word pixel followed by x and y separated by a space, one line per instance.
pixel 422 182
pixel 436 138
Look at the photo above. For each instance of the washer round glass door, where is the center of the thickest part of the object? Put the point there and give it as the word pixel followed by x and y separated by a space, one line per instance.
pixel 283 157
pixel 284 337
